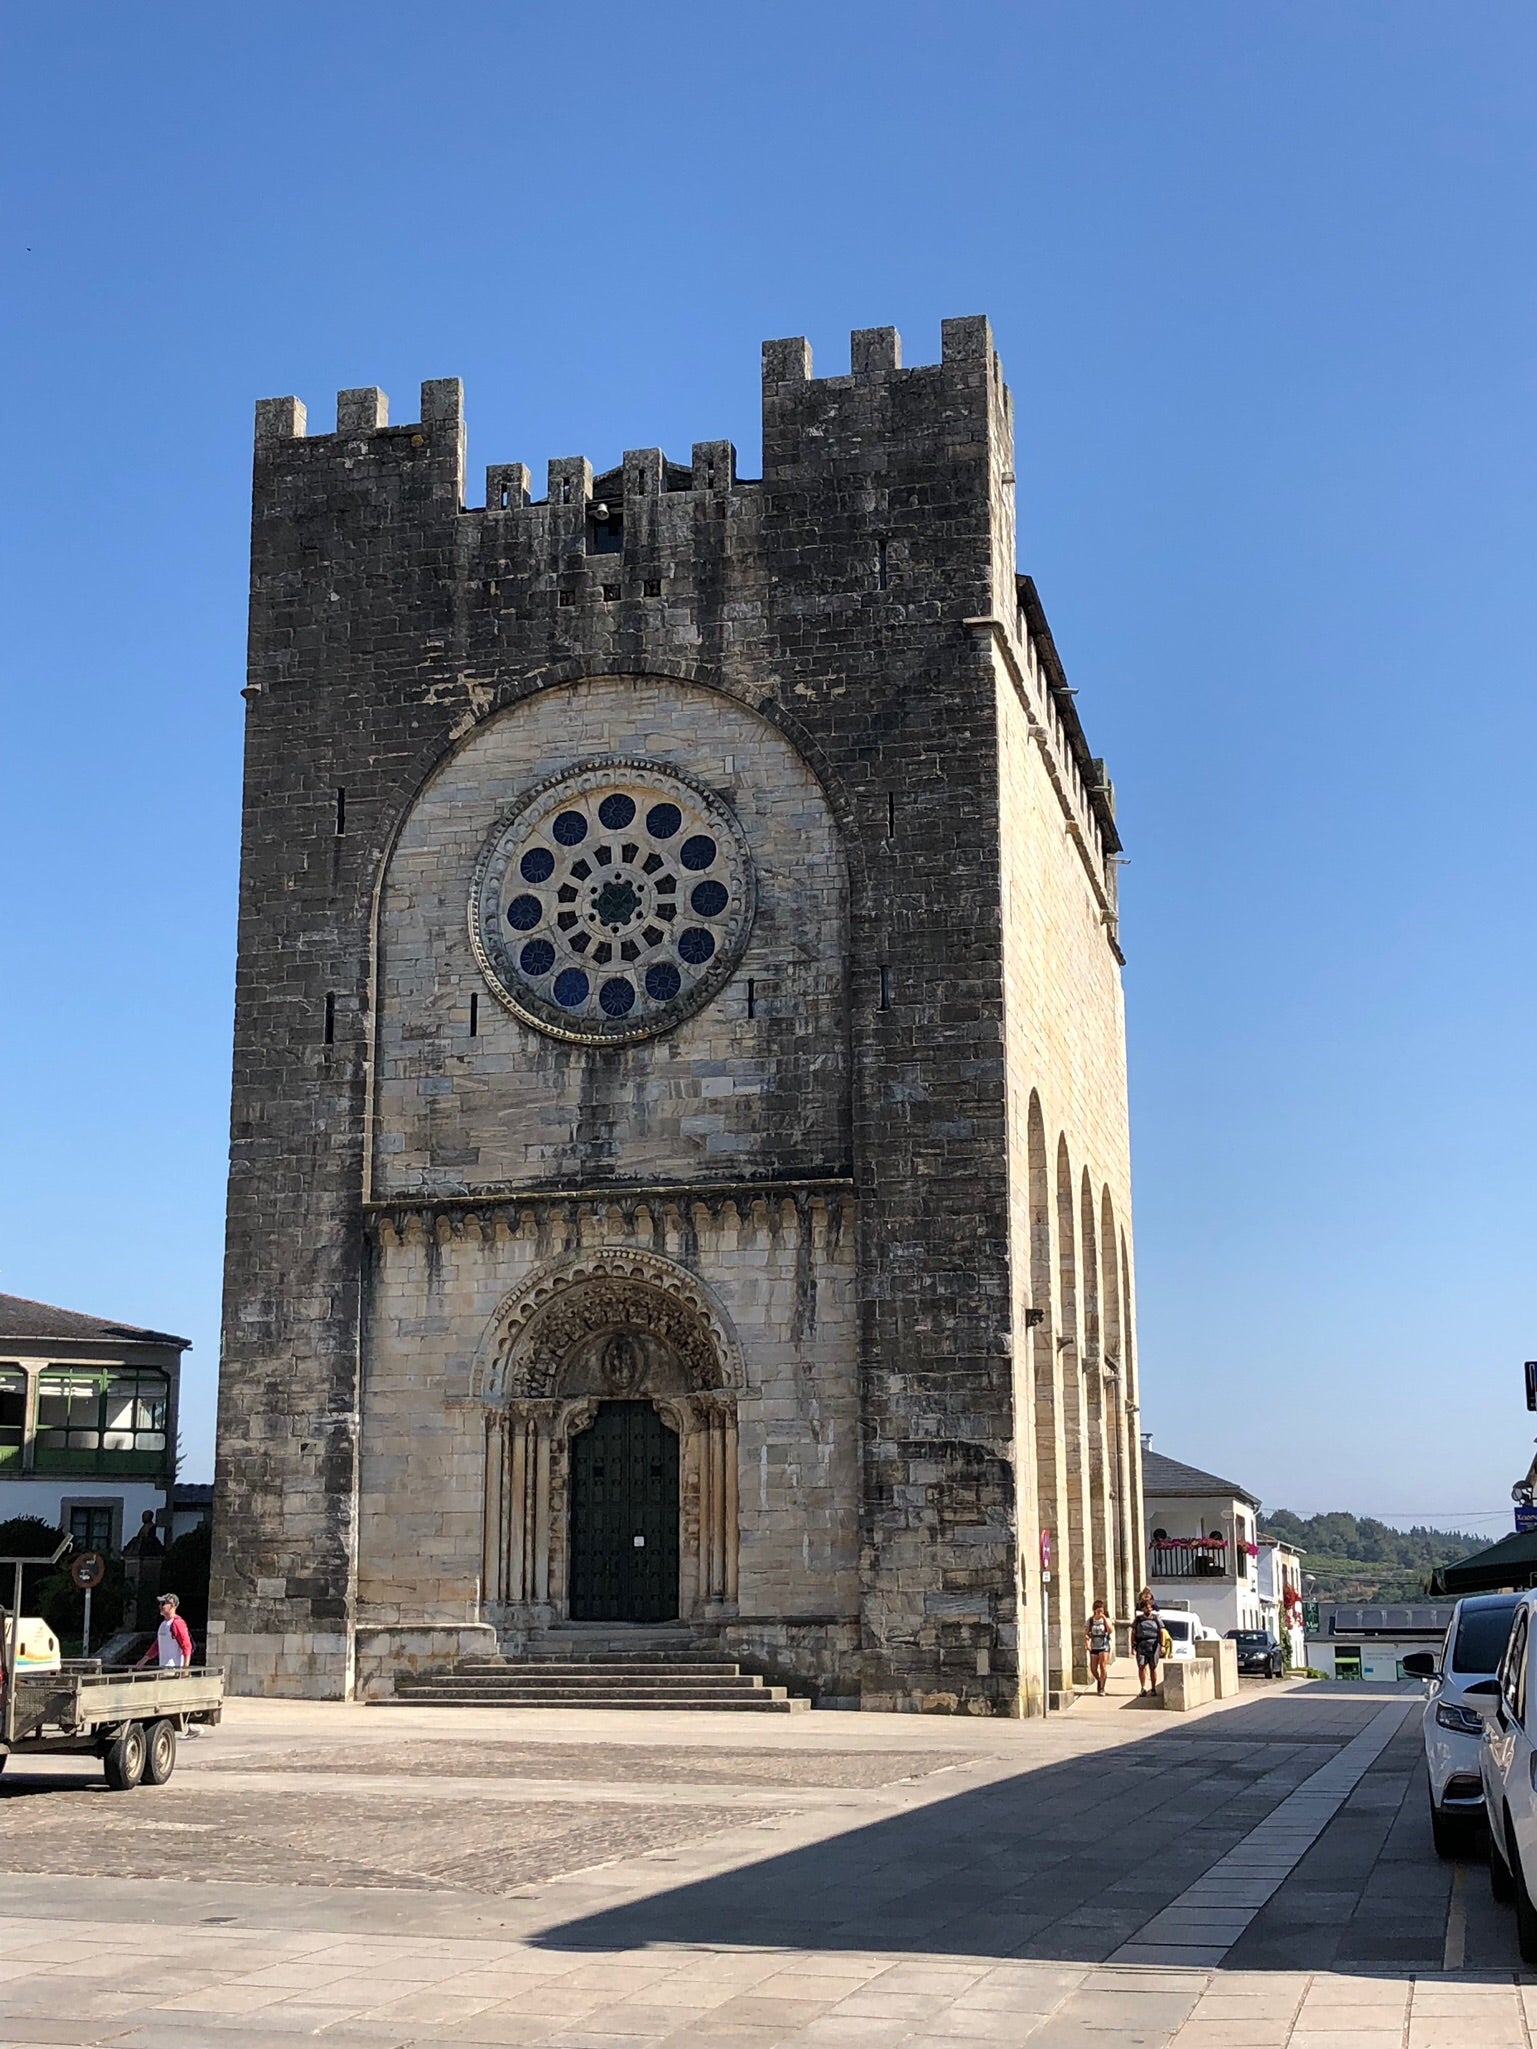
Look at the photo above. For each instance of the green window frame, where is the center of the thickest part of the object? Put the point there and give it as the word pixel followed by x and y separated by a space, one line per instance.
pixel 93 1419
pixel 13 1414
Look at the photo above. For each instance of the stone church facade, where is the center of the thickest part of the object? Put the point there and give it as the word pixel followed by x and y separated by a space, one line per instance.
pixel 679 1170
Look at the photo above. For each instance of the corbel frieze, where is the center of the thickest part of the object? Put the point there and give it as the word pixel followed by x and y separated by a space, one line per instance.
pixel 740 1213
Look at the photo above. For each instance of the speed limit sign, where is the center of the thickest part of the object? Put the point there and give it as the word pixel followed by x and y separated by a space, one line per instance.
pixel 87 1569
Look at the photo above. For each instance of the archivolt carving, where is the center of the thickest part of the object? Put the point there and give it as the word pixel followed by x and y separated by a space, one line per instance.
pixel 557 1334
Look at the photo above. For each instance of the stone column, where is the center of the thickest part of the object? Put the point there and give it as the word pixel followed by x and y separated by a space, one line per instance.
pixel 1127 1505
pixel 712 1443
pixel 1101 1483
pixel 493 1532
pixel 516 1546
pixel 731 1505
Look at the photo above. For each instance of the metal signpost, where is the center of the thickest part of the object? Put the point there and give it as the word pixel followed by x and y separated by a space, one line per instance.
pixel 1045 1622
pixel 13 1638
pixel 87 1571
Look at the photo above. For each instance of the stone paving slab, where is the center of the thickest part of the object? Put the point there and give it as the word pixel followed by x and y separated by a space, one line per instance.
pixel 568 1763
pixel 799 1892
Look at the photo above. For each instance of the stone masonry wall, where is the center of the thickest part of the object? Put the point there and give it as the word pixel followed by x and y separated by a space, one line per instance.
pixel 1067 1103
pixel 759 1091
pixel 836 602
pixel 782 1273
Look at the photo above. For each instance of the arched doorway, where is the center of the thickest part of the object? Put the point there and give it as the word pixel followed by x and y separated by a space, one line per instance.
pixel 623 1544
pixel 611 1385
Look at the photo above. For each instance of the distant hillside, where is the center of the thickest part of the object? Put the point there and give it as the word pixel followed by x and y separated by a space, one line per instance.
pixel 1356 1558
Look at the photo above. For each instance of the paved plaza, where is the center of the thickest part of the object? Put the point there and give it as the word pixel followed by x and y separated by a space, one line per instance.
pixel 1258 1875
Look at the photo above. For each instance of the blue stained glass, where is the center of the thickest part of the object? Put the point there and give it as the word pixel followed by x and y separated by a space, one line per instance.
pixel 663 982
pixel 696 945
pixel 617 997
pixel 570 828
pixel 663 820
pixel 537 958
pixel 537 865
pixel 524 913
pixel 570 988
pixel 617 811
pixel 697 852
pixel 708 899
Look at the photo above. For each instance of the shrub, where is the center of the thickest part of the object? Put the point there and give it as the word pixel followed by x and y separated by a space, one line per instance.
pixel 27 1536
pixel 62 1605
pixel 184 1572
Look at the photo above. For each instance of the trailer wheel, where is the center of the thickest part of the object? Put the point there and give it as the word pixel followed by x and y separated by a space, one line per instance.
pixel 126 1758
pixel 160 1753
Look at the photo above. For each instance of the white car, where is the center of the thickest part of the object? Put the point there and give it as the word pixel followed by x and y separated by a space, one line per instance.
pixel 1463 1690
pixel 1508 1767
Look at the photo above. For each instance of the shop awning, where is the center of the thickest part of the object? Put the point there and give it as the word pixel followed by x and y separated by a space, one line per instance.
pixel 1510 1563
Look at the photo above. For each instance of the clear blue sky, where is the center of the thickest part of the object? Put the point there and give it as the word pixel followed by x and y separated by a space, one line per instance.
pixel 1262 278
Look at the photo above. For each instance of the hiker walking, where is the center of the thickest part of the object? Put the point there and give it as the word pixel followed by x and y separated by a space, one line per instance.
pixel 1099 1639
pixel 1146 1642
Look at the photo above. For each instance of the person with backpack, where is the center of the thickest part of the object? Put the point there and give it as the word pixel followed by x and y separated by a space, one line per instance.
pixel 1147 1643
pixel 1099 1640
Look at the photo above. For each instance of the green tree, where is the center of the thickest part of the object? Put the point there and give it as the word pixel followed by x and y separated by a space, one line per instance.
pixel 1357 1558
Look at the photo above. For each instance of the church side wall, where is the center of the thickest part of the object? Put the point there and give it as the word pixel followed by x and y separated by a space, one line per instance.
pixel 1065 1039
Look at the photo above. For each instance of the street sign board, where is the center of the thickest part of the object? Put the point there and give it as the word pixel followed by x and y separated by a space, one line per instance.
pixel 1530 1370
pixel 87 1569
pixel 1526 1519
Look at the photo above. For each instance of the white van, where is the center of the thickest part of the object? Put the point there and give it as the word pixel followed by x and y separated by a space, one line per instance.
pixel 1185 1628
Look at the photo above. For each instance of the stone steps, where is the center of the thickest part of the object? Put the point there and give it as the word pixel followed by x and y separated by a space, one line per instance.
pixel 661 1668
pixel 599 1681
pixel 609 1681
pixel 770 1701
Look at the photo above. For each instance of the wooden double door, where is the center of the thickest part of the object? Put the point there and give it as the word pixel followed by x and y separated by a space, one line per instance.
pixel 624 1517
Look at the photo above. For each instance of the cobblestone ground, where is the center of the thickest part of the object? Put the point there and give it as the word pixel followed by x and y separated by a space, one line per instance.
pixel 1257 1876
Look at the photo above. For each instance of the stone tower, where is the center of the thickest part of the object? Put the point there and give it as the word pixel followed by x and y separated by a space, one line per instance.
pixel 679 1167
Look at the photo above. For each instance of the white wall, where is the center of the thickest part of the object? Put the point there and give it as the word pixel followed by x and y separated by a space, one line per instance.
pixel 44 1497
pixel 1224 1603
pixel 1379 1655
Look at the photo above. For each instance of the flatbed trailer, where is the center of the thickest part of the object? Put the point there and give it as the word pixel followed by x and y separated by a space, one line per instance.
pixel 130 1720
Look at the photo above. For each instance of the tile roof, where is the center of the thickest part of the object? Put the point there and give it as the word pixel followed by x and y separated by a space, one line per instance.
pixel 1168 1476
pixel 20 1318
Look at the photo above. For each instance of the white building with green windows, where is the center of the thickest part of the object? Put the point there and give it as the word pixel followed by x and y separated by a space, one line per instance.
pixel 87 1421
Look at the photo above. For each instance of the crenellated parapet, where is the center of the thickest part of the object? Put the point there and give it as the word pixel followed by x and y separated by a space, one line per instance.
pixel 967 360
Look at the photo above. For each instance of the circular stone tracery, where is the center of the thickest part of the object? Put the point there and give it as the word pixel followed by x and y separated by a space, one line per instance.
pixel 614 902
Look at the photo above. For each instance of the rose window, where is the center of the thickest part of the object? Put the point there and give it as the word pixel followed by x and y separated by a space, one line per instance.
pixel 613 903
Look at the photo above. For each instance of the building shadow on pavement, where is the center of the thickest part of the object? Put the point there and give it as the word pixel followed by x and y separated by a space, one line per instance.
pixel 1064 1862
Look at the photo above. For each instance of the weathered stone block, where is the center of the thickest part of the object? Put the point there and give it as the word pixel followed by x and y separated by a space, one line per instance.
pixel 1188 1683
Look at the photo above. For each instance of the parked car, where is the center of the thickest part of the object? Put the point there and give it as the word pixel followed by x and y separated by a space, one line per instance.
pixel 1258 1651
pixel 1463 1691
pixel 1185 1628
pixel 1508 1770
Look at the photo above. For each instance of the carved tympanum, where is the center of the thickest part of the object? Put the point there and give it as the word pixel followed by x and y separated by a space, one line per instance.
pixel 609 1337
